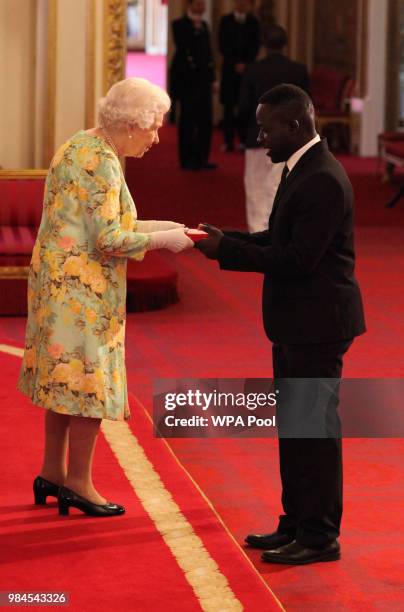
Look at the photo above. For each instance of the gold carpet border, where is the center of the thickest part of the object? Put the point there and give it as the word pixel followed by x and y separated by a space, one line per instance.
pixel 219 518
pixel 201 571
pixel 12 350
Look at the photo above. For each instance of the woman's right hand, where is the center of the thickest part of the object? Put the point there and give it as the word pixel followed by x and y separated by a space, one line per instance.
pixel 147 227
pixel 174 240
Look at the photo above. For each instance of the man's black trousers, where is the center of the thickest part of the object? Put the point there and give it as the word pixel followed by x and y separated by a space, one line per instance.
pixel 195 126
pixel 310 464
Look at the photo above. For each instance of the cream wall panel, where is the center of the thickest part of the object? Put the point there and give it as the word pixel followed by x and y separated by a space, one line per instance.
pixel 17 83
pixel 41 82
pixel 372 122
pixel 71 69
pixel 99 53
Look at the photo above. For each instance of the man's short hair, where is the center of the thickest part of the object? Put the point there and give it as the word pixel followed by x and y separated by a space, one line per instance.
pixel 293 100
pixel 275 37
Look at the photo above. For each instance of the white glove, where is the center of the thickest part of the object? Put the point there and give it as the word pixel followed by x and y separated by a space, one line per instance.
pixel 147 227
pixel 174 240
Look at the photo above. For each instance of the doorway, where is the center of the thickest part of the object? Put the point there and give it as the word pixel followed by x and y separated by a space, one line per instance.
pixel 147 31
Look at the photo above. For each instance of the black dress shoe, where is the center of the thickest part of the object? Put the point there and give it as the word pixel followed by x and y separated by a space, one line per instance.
pixel 42 488
pixel 69 499
pixel 268 541
pixel 296 554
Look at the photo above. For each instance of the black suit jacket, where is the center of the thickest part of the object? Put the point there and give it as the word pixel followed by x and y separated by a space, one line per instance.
pixel 192 69
pixel 261 76
pixel 310 293
pixel 238 43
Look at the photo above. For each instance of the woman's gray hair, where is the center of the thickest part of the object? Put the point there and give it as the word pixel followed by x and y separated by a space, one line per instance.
pixel 133 101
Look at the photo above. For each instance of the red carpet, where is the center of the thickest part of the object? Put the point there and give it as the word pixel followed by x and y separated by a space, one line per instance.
pixel 120 563
pixel 213 307
pixel 241 477
pixel 151 67
pixel 372 194
pixel 215 330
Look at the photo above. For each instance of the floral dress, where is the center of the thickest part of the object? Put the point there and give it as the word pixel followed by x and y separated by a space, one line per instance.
pixel 74 359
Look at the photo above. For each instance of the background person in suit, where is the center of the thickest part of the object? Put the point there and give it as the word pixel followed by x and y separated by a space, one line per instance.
pixel 239 42
pixel 193 80
pixel 261 175
pixel 312 310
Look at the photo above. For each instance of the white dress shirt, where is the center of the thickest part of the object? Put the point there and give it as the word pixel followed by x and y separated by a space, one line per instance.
pixel 195 18
pixel 293 159
pixel 240 17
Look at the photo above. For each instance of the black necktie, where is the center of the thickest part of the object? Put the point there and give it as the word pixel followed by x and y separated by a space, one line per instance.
pixel 281 187
pixel 282 184
pixel 284 176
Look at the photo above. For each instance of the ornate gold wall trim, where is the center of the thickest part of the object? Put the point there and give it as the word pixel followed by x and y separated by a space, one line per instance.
pixel 50 106
pixel 114 42
pixel 14 272
pixel 37 173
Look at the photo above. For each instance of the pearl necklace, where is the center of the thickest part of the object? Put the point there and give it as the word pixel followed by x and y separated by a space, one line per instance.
pixel 110 141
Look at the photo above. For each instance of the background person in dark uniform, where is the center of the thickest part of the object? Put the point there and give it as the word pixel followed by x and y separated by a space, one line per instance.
pixel 312 310
pixel 193 81
pixel 239 42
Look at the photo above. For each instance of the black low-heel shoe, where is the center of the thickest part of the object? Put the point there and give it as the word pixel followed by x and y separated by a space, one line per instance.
pixel 69 499
pixel 42 488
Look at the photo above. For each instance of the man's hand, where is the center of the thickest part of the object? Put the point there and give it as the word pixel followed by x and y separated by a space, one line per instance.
pixel 210 246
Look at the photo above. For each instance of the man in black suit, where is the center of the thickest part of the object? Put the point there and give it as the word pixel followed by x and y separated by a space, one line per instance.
pixel 193 79
pixel 312 310
pixel 261 176
pixel 239 41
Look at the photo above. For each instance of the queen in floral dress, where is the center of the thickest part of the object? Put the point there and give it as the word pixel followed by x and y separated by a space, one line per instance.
pixel 74 359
